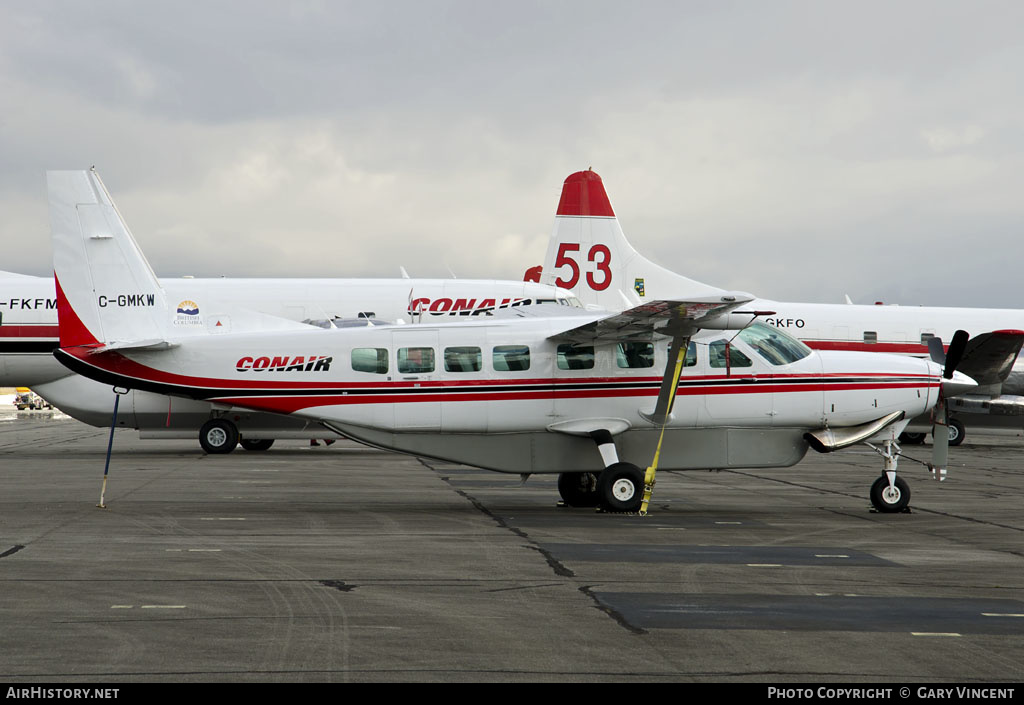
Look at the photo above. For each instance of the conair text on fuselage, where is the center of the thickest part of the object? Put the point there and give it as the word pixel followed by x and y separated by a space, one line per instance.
pixel 284 363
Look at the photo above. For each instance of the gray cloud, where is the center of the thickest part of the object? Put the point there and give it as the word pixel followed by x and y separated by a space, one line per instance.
pixel 799 150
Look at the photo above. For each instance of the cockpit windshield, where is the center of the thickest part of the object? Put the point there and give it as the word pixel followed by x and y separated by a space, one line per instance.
pixel 773 345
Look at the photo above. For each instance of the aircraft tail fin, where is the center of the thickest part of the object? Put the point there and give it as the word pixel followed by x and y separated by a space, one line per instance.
pixel 589 254
pixel 106 291
pixel 988 358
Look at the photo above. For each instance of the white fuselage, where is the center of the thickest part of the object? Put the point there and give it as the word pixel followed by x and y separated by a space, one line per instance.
pixel 484 401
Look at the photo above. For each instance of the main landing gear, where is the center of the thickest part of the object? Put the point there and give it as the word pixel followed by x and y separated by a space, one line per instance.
pixel 618 488
pixel 219 436
pixel 957 433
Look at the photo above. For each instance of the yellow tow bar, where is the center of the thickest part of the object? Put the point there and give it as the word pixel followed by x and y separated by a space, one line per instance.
pixel 649 475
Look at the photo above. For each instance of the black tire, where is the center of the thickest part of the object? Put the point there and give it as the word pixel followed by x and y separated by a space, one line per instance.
pixel 620 488
pixel 218 436
pixel 957 432
pixel 887 502
pixel 256 444
pixel 578 489
pixel 912 439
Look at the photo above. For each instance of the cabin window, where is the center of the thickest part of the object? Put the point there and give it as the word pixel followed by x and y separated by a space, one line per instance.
pixel 465 359
pixel 717 356
pixel 415 360
pixel 634 355
pixel 511 358
pixel 373 360
pixel 925 337
pixel 575 357
pixel 691 355
pixel 870 336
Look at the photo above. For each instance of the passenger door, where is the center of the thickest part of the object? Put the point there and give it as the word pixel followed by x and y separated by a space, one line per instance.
pixel 417 399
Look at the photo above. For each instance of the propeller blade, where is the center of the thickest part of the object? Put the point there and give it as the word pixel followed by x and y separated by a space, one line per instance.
pixel 940 441
pixel 955 352
pixel 936 351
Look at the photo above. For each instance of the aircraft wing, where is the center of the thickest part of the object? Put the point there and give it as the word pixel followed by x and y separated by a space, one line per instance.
pixel 677 319
pixel 988 358
pixel 674 318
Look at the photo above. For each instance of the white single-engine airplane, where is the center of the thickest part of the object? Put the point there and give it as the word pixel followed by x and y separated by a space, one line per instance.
pixel 541 390
pixel 588 253
pixel 28 336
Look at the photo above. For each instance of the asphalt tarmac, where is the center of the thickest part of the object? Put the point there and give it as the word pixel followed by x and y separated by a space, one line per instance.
pixel 347 564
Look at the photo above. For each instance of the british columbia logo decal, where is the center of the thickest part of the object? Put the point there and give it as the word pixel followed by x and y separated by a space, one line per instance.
pixel 187 314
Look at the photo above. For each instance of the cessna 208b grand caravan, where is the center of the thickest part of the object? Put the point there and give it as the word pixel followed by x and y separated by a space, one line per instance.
pixel 539 390
pixel 28 336
pixel 588 253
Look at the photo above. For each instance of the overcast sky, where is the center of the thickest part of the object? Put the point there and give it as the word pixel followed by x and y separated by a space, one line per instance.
pixel 797 150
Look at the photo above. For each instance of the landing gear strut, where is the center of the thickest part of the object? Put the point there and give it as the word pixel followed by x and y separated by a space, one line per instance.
pixel 890 494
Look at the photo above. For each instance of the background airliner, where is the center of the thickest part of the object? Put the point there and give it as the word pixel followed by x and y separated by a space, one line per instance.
pixel 588 253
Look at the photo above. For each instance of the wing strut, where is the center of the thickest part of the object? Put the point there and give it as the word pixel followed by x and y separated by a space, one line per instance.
pixel 666 398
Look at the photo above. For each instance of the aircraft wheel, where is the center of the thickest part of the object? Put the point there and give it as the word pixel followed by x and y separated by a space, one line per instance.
pixel 889 500
pixel 218 436
pixel 256 443
pixel 912 439
pixel 957 432
pixel 620 488
pixel 578 489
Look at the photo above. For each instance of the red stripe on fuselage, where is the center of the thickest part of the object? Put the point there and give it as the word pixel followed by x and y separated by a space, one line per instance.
pixel 118 364
pixel 29 330
pixel 898 348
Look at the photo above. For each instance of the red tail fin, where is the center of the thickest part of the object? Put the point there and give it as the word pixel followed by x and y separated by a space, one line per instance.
pixel 583 194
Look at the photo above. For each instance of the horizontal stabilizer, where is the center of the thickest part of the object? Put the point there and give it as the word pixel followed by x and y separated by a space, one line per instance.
pixel 137 345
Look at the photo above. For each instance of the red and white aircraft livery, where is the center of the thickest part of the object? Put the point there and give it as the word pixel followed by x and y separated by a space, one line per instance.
pixel 539 390
pixel 28 335
pixel 589 254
